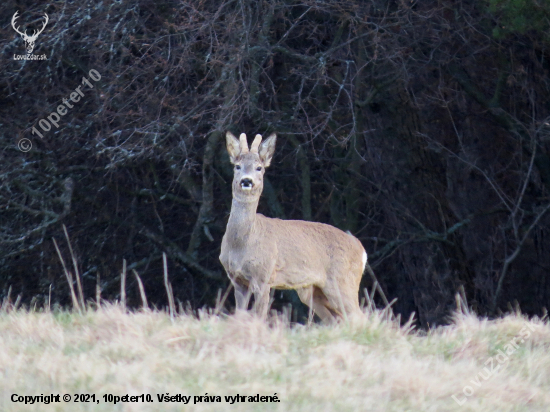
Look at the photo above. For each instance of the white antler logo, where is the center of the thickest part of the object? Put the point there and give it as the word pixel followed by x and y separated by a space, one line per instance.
pixel 29 40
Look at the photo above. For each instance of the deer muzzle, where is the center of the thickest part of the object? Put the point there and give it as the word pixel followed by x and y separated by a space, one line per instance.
pixel 247 183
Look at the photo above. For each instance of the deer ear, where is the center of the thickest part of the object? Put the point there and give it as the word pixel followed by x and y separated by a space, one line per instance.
pixel 267 148
pixel 233 147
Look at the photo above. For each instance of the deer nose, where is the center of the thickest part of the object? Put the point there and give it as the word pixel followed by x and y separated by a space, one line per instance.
pixel 247 183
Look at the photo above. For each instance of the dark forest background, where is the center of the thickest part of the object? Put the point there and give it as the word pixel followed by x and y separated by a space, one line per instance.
pixel 423 127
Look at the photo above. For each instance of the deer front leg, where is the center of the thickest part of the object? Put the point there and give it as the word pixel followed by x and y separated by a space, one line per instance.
pixel 242 295
pixel 261 301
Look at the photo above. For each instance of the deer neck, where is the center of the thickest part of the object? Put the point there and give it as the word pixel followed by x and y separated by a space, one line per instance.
pixel 242 220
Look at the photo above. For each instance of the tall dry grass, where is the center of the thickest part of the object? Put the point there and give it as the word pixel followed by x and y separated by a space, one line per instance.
pixel 370 364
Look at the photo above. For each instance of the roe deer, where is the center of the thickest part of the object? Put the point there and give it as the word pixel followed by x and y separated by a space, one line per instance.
pixel 322 263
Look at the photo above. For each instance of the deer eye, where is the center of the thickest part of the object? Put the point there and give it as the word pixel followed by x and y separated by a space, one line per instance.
pixel 259 168
pixel 237 167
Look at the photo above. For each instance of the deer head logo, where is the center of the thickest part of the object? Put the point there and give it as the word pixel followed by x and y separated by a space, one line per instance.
pixel 29 40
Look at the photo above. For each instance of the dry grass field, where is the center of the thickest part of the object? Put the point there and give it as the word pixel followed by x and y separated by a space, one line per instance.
pixel 370 364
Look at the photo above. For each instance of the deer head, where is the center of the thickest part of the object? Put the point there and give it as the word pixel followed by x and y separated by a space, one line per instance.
pixel 29 40
pixel 249 164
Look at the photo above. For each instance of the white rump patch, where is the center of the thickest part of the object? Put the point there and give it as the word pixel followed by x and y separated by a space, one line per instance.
pixel 364 259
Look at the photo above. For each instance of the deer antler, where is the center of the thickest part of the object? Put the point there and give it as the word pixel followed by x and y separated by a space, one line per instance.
pixel 256 143
pixel 13 24
pixel 37 32
pixel 244 144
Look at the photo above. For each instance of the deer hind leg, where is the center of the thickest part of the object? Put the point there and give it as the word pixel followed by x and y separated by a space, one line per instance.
pixel 343 299
pixel 347 301
pixel 316 300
